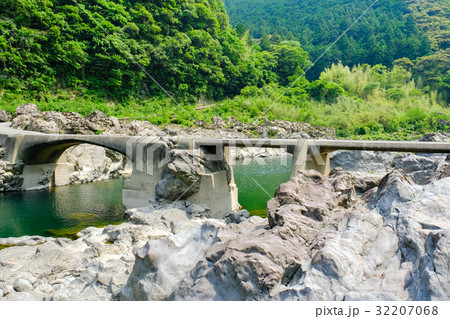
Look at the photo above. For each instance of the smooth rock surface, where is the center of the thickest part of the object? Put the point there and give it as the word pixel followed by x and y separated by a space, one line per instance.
pixel 322 241
pixel 363 164
pixel 93 267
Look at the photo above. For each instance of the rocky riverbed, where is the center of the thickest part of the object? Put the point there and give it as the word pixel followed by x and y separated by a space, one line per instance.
pixel 325 238
pixel 30 117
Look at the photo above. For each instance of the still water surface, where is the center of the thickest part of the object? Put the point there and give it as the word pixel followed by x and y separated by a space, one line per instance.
pixel 63 211
pixel 67 207
pixel 257 183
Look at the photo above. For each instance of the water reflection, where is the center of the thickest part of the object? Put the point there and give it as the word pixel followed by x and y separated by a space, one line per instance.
pixel 74 206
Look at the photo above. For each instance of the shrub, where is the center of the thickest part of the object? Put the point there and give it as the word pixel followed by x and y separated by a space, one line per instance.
pixel 395 94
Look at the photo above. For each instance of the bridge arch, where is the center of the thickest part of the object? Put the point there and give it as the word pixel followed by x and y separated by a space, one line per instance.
pixel 47 150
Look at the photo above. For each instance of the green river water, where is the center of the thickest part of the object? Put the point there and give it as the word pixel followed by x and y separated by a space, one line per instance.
pixel 61 211
pixel 65 210
pixel 257 183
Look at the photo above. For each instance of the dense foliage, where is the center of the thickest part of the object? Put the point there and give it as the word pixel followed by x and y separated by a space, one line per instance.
pixel 113 48
pixel 385 33
pixel 84 55
pixel 360 102
pixel 433 17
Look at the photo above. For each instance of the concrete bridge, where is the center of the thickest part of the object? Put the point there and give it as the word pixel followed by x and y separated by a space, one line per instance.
pixel 42 154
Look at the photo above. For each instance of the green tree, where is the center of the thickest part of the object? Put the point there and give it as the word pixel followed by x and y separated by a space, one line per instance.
pixel 291 61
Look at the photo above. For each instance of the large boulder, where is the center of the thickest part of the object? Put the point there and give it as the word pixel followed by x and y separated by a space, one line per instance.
pixel 363 163
pixel 27 109
pixel 308 194
pixel 37 124
pixel 419 167
pixel 97 121
pixel 162 263
pixel 24 114
pixel 29 117
pixel 181 178
pixel 56 118
pixel 75 124
pixel 255 263
pixel 442 170
pixel 94 267
pixel 5 116
pixel 437 136
pixel 321 242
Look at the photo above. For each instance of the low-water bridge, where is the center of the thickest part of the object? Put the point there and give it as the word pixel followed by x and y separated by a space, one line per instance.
pixel 42 153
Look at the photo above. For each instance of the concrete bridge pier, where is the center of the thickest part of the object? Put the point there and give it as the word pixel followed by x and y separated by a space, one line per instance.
pixel 148 164
pixel 308 156
pixel 42 175
pixel 215 192
pixel 233 187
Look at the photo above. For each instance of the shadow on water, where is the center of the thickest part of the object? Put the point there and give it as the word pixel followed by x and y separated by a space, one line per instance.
pixel 252 196
pixel 61 211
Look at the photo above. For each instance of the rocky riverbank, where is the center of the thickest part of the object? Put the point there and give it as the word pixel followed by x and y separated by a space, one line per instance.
pixel 333 238
pixel 30 117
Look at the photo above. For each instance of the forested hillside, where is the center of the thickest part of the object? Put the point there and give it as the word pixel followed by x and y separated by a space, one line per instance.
pixel 385 33
pixel 433 17
pixel 107 55
pixel 187 46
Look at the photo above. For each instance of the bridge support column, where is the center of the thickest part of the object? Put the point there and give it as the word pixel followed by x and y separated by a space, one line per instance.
pixel 215 194
pixel 45 175
pixel 62 173
pixel 319 162
pixel 233 188
pixel 38 176
pixel 148 162
pixel 300 155
pixel 11 144
pixel 309 156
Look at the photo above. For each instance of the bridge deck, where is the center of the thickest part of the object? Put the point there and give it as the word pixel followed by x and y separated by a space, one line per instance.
pixel 119 143
pixel 334 145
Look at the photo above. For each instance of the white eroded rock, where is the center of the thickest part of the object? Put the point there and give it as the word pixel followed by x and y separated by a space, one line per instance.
pixel 22 285
pixel 93 163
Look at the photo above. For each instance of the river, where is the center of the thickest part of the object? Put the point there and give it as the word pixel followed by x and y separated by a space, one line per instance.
pixel 64 211
pixel 61 210
pixel 257 183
